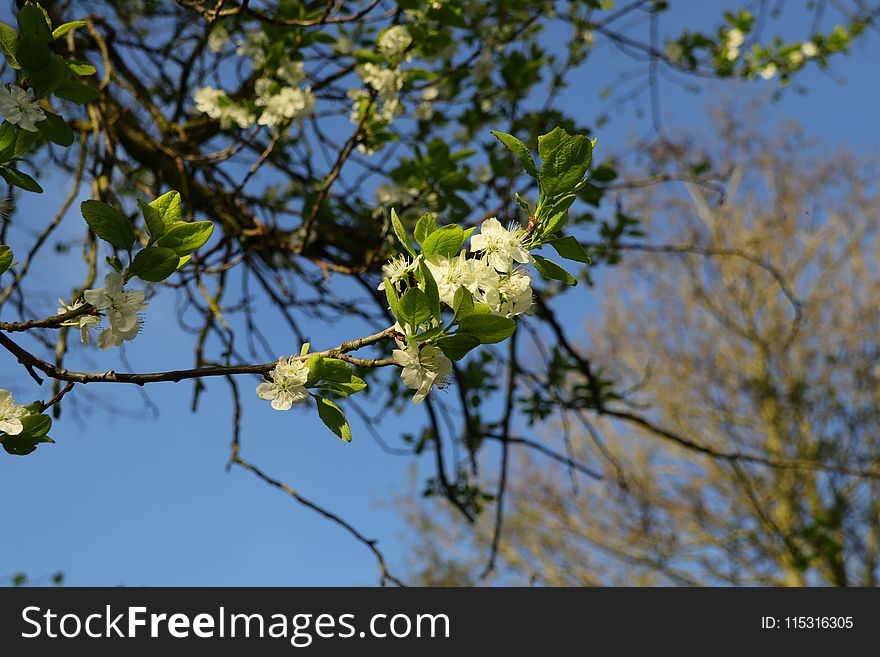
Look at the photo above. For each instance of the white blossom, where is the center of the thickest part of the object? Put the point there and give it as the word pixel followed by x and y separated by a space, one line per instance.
pixel 513 296
pixel 386 81
pixel 291 71
pixel 500 246
pixel 289 103
pixel 218 39
pixel 254 47
pixel 121 308
pixel 286 384
pixel 796 58
pixel 19 108
pixel 394 41
pixel 449 274
pixel 809 49
pixel 85 323
pixel 769 71
pixel 423 367
pixel 735 38
pixel 217 105
pixel 11 414
pixel 396 270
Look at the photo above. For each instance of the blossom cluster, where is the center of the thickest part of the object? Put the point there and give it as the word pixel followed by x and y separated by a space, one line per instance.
pixel 19 108
pixel 11 414
pixel 491 276
pixel 279 97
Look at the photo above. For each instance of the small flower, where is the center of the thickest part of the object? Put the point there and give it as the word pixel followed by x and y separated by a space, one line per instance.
pixel 288 104
pixel 809 49
pixel 121 307
pixel 218 39
pixel 422 368
pixel 291 71
pixel 11 414
pixel 796 58
pixel 216 104
pixel 394 41
pixel 286 385
pixel 513 296
pixel 19 108
pixel 449 274
pixel 769 71
pixel 501 247
pixel 386 81
pixel 85 323
pixel 397 269
pixel 735 38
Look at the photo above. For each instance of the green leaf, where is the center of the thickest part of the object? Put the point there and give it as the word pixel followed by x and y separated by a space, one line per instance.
pixel 108 223
pixel 456 347
pixel 549 269
pixel 9 44
pixel 5 258
pixel 114 262
pixel 489 329
pixel 315 363
pixel 183 261
pixel 427 335
pixel 61 30
pixel 520 150
pixel 400 231
pixel 76 92
pixel 19 179
pixel 46 80
pixel 446 241
pixel 32 53
pixel 565 166
pixel 548 143
pixel 415 309
pixel 344 389
pixel 431 290
pixel 24 139
pixel 154 264
pixel 334 418
pixel 184 238
pixel 424 227
pixel 80 67
pixel 393 301
pixel 35 425
pixel 570 249
pixel 463 303
pixel 33 19
pixel 161 214
pixel 55 129
pixel 336 370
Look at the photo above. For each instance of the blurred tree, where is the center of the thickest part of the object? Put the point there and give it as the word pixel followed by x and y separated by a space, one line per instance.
pixel 755 342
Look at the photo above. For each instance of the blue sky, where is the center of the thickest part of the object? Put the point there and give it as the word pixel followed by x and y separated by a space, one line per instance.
pixel 146 500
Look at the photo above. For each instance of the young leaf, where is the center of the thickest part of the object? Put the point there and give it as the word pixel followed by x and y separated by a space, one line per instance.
pixel 548 143
pixel 76 92
pixel 336 370
pixel 402 236
pixel 32 52
pixel 55 129
pixel 446 241
pixel 489 329
pixel 9 44
pixel 19 179
pixel 33 19
pixel 5 258
pixel 414 308
pixel 344 389
pixel 161 214
pixel 154 264
pixel 570 249
pixel 334 418
pixel 46 80
pixel 456 347
pixel 61 30
pixel 520 150
pixel 424 227
pixel 315 363
pixel 391 296
pixel 80 67
pixel 462 303
pixel 184 238
pixel 108 223
pixel 431 290
pixel 549 269
pixel 565 166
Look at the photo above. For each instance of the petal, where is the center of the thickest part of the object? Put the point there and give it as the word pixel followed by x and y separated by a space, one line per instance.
pixel 282 402
pixel 12 426
pixel 267 391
